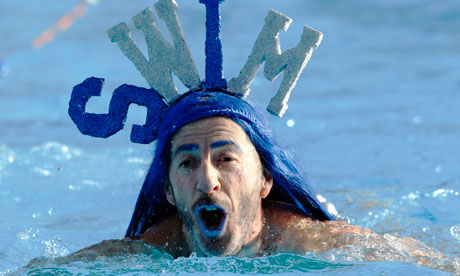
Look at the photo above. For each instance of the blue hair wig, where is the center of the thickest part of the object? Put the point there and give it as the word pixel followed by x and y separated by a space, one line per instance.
pixel 289 184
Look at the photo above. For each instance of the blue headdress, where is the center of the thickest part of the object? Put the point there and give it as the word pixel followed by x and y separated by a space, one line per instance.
pixel 168 111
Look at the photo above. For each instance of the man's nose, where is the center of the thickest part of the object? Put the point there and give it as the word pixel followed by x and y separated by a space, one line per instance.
pixel 208 179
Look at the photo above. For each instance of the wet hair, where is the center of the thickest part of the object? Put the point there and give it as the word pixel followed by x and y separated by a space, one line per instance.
pixel 289 184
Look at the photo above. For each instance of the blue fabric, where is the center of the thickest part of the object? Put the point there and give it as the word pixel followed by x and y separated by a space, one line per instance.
pixel 289 185
pixel 197 105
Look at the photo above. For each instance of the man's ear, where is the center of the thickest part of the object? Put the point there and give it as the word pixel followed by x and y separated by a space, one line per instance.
pixel 267 183
pixel 169 193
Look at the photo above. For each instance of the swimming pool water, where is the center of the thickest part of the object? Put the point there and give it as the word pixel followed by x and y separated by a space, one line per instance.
pixel 374 120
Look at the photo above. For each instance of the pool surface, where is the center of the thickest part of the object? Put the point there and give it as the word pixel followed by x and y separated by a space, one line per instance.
pixel 374 120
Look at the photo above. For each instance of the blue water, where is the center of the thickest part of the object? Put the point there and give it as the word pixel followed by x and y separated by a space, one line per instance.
pixel 374 120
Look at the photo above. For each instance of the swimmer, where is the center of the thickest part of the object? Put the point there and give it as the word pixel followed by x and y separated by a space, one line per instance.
pixel 227 189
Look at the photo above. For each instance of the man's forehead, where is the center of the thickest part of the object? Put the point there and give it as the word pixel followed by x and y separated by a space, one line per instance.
pixel 209 127
pixel 215 131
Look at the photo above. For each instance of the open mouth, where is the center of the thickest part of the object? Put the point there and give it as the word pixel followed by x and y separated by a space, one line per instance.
pixel 212 219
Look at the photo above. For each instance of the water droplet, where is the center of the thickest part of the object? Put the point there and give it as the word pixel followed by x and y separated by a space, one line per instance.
pixel 417 120
pixel 410 139
pixel 92 2
pixel 321 198
pixel 455 231
pixel 331 209
pixel 290 123
pixel 443 193
pixel 42 171
pixel 438 169
pixel 74 188
pixel 412 196
pixel 23 236
pixel 4 70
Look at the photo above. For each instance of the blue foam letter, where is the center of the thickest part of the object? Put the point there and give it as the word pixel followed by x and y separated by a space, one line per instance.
pixel 213 48
pixel 105 125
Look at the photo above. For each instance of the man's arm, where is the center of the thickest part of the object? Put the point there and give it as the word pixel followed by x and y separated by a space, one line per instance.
pixel 111 248
pixel 165 236
pixel 338 239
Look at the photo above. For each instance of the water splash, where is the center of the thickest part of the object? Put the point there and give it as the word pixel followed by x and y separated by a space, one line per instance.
pixel 157 262
pixel 455 231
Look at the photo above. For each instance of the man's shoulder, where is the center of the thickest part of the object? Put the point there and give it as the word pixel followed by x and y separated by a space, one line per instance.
pixel 282 214
pixel 297 233
pixel 288 217
pixel 166 234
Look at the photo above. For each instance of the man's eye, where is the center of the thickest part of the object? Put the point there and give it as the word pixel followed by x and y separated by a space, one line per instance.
pixel 187 163
pixel 226 159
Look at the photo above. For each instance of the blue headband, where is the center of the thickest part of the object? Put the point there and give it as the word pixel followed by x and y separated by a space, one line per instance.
pixel 198 105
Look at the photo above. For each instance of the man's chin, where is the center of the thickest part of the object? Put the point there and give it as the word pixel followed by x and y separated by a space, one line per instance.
pixel 221 245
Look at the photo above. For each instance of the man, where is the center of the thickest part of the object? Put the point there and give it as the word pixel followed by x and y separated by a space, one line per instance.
pixel 214 177
pixel 219 185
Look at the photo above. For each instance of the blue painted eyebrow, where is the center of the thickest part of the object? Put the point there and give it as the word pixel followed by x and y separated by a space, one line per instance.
pixel 185 147
pixel 222 143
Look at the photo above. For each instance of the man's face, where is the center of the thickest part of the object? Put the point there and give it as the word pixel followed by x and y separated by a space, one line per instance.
pixel 217 183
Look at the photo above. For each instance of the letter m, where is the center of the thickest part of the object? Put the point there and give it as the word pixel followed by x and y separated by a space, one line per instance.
pixel 267 49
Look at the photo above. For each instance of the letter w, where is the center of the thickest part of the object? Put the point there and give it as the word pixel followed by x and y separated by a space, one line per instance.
pixel 163 58
pixel 267 48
